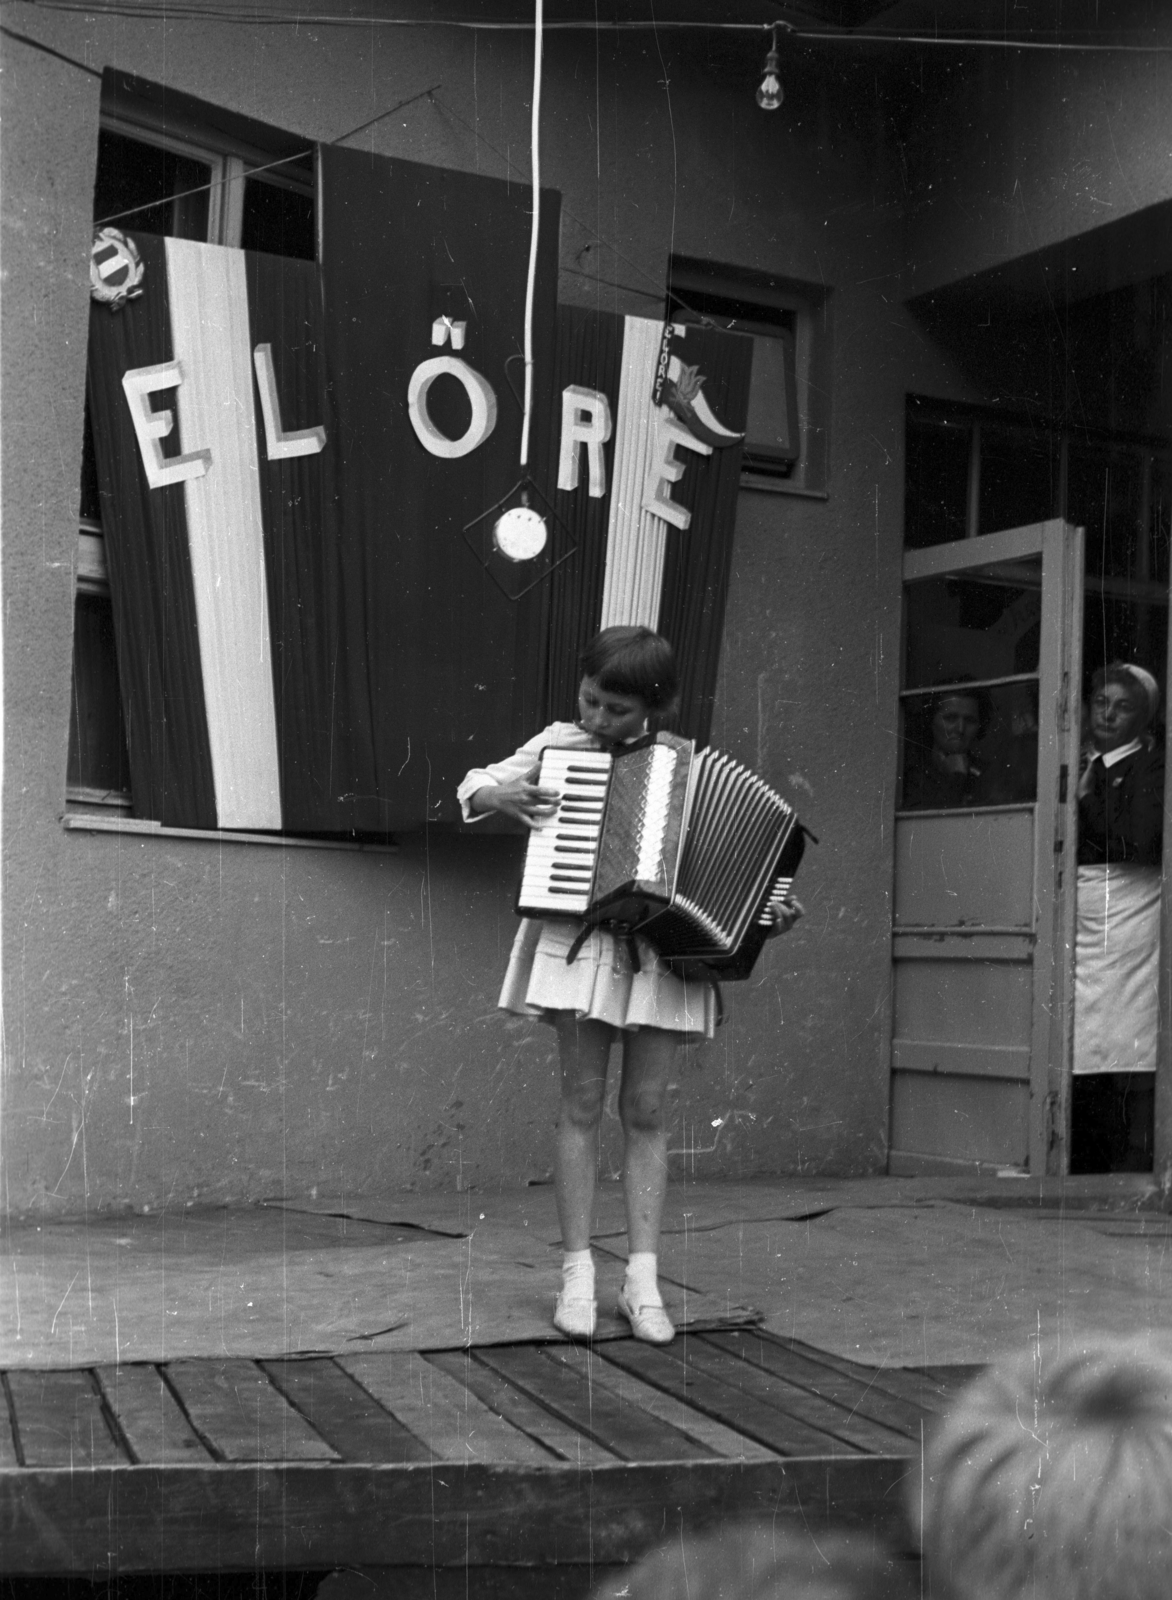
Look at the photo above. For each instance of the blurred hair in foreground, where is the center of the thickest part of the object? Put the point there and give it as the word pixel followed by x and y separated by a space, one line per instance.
pixel 1050 1478
pixel 765 1561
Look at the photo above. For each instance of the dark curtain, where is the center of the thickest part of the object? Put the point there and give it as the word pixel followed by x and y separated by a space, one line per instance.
pixel 698 561
pixel 589 347
pixel 443 670
pixel 149 567
pixel 316 734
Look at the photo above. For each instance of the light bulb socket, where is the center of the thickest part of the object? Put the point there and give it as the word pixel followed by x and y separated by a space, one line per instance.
pixel 770 93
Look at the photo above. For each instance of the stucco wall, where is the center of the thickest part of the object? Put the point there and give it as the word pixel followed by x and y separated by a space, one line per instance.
pixel 1034 149
pixel 187 1020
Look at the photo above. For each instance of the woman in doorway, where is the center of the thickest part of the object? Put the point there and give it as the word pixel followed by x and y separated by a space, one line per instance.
pixel 1116 990
pixel 946 774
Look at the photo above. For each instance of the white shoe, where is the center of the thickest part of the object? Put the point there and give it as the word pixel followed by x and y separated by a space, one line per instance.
pixel 649 1323
pixel 575 1315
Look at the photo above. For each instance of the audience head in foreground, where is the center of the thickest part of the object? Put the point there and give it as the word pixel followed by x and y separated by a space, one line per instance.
pixel 765 1561
pixel 1051 1478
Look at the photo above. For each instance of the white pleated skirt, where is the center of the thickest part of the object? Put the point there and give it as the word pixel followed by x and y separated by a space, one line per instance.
pixel 601 983
pixel 1117 969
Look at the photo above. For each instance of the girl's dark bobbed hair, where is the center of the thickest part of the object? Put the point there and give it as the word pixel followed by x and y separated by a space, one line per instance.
pixel 633 661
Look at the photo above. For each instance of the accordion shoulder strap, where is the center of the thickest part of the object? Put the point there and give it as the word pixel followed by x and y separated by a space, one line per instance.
pixel 620 931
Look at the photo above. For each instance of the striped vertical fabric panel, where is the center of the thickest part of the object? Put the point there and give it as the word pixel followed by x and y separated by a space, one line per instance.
pixel 589 349
pixel 635 538
pixel 203 571
pixel 210 331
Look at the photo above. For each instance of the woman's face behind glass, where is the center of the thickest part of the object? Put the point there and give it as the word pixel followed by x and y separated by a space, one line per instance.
pixel 1115 717
pixel 955 725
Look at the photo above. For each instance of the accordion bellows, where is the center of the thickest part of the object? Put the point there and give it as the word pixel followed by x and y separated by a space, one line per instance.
pixel 685 847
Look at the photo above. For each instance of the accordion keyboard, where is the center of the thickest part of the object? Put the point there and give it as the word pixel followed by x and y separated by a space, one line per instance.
pixel 559 862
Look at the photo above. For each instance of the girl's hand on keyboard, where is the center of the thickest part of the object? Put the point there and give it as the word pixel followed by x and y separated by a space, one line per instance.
pixel 520 799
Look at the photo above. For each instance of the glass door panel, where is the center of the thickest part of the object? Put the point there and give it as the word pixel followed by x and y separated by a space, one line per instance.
pixel 970 700
pixel 983 850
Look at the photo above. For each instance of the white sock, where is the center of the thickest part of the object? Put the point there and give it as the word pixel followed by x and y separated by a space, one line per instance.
pixel 641 1285
pixel 578 1274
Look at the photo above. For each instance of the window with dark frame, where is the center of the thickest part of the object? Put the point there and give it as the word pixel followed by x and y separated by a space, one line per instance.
pixel 170 165
pixel 787 439
pixel 972 470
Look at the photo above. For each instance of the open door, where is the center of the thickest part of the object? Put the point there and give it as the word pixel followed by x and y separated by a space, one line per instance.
pixel 985 852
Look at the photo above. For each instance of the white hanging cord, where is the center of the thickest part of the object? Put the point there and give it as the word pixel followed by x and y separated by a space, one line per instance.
pixel 535 160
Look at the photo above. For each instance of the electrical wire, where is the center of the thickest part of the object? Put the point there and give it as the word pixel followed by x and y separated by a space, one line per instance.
pixel 47 49
pixel 165 11
pixel 535 225
pixel 249 172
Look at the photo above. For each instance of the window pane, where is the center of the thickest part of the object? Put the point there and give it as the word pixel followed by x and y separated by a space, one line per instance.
pixel 132 174
pixel 97 739
pixel 1160 527
pixel 772 427
pixel 937 476
pixel 970 749
pixel 278 220
pixel 91 505
pixel 1104 495
pixel 1116 628
pixel 979 625
pixel 1019 477
pixel 772 430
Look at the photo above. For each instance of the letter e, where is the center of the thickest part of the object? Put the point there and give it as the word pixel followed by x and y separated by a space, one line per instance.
pixel 663 469
pixel 151 426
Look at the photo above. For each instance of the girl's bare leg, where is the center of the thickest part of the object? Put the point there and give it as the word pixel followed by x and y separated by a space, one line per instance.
pixel 584 1047
pixel 648 1057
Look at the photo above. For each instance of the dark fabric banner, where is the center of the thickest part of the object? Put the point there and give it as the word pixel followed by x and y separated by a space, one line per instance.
pixel 698 561
pixel 422 265
pixel 316 734
pixel 316 629
pixel 589 348
pixel 149 567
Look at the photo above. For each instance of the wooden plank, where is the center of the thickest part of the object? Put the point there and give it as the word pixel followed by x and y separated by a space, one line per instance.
pixel 345 1414
pixel 770 1389
pixel 859 1397
pixel 732 1403
pixel 149 1415
pixel 60 1420
pixel 714 1436
pixel 241 1415
pixel 907 1383
pixel 454 1424
pixel 499 1395
pixel 313 1515
pixel 561 1382
pixel 968 1060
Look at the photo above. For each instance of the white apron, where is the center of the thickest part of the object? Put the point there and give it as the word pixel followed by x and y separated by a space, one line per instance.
pixel 1117 969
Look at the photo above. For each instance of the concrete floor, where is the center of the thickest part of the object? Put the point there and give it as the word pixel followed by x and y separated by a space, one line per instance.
pixel 886 1271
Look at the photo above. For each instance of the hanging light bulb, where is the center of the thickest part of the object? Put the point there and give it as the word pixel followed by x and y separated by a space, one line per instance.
pixel 770 94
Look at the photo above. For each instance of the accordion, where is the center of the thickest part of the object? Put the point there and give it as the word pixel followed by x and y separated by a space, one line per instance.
pixel 681 846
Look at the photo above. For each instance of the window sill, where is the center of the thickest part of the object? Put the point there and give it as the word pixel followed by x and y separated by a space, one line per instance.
pixel 768 485
pixel 90 822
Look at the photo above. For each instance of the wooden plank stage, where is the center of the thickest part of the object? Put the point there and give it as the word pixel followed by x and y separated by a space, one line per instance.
pixel 532 1455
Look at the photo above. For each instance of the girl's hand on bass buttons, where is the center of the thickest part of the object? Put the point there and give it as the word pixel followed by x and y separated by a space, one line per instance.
pixel 785 911
pixel 522 800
